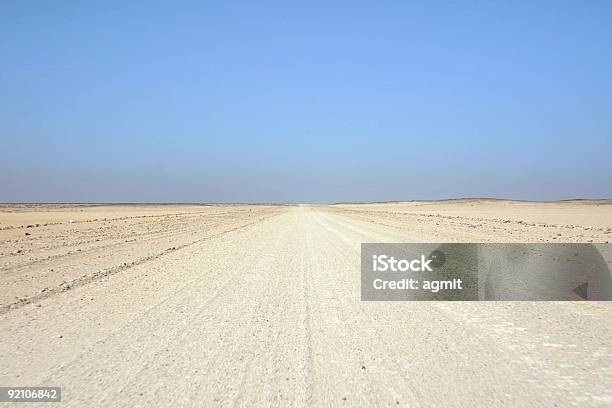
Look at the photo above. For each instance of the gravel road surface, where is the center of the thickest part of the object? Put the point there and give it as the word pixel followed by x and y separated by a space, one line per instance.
pixel 260 305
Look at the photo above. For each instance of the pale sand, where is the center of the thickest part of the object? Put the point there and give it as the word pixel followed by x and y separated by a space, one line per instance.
pixel 135 306
pixel 478 220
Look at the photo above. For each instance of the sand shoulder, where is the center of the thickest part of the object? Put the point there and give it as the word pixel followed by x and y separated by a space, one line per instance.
pixel 580 213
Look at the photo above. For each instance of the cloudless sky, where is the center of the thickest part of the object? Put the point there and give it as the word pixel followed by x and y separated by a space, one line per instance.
pixel 304 101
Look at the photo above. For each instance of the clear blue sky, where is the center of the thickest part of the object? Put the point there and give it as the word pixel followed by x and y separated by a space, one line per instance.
pixel 313 102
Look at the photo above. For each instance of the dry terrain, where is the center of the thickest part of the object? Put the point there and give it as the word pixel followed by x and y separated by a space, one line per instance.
pixel 235 305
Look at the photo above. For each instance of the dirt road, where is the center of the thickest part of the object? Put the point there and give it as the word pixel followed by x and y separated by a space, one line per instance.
pixel 239 306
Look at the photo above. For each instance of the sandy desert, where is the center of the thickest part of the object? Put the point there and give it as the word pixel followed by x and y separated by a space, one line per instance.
pixel 141 305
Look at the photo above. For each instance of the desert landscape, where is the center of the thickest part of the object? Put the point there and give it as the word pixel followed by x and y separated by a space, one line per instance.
pixel 260 305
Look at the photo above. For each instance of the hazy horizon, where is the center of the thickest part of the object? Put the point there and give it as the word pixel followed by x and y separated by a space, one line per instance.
pixel 314 103
pixel 568 200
